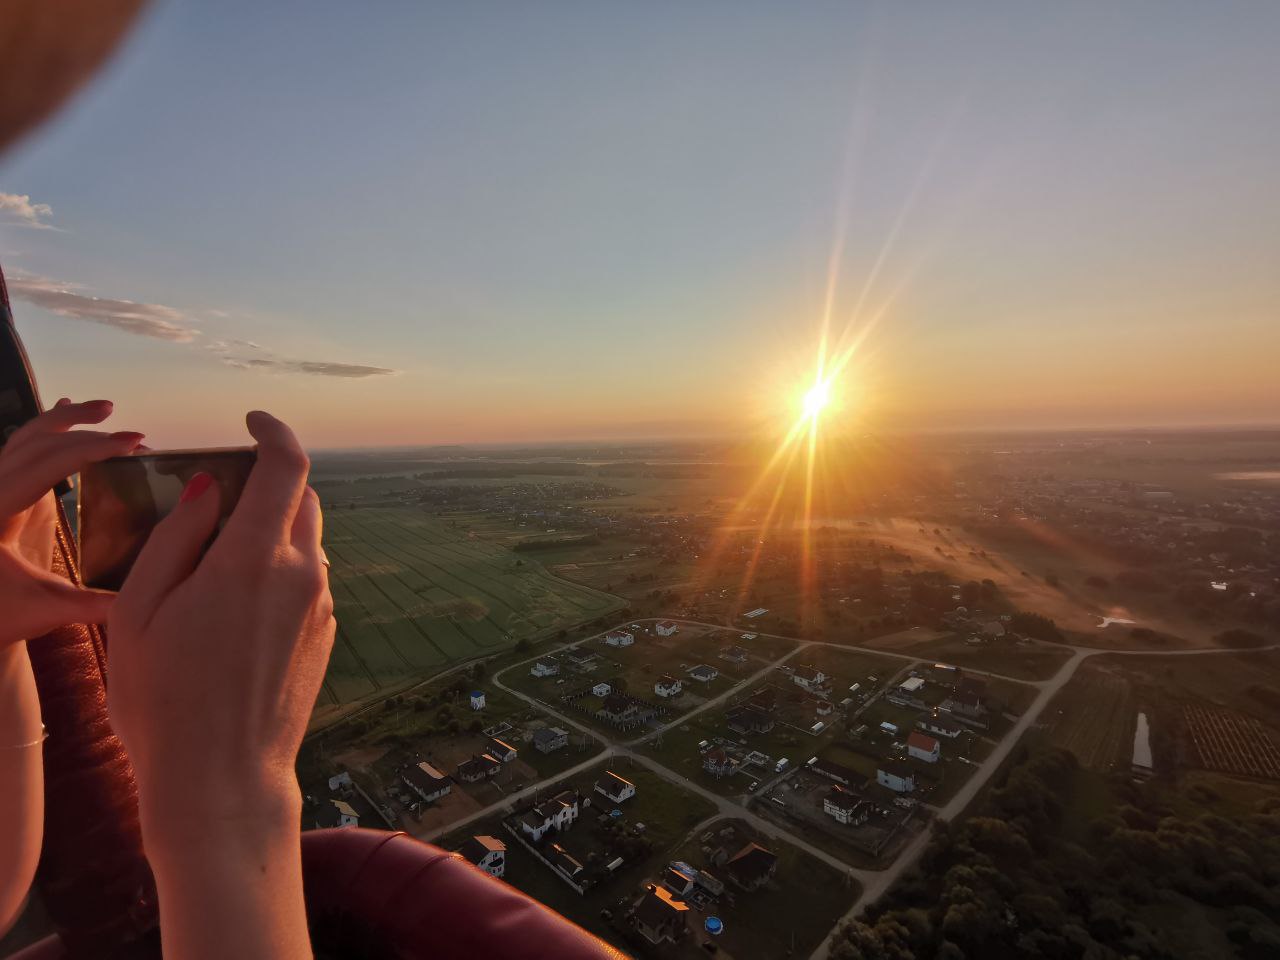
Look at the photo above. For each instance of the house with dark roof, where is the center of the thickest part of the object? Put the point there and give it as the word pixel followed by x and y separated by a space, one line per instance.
pixel 896 775
pixel 426 781
pixel 550 739
pixel 834 771
pixel 565 862
pixel 618 708
pixel 615 788
pixel 659 916
pixel 333 812
pixel 487 853
pixel 752 866
pixel 749 718
pixel 501 750
pixel 718 763
pixel 703 673
pixel 844 807
pixel 766 698
pixel 559 813
pixel 940 726
pixel 478 768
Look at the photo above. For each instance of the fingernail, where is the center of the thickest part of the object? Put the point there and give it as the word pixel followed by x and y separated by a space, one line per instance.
pixel 128 435
pixel 195 487
pixel 62 401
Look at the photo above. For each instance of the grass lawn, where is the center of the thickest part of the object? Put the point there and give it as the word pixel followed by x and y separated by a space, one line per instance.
pixel 1026 662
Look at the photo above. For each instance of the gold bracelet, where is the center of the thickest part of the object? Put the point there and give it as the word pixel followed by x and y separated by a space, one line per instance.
pixel 44 735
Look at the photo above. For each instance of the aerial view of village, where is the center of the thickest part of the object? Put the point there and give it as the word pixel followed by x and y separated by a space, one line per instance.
pixel 1021 690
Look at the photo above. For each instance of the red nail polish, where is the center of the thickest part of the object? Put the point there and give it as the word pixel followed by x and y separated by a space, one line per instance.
pixel 128 435
pixel 196 486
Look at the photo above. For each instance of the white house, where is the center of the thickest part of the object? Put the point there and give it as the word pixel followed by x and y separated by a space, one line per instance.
pixel 704 673
pixel 559 812
pixel 615 787
pixel 941 726
pixel 501 750
pixel 545 668
pixel 487 853
pixel 666 628
pixel 667 686
pixel 336 813
pixel 810 678
pixel 619 638
pixel 923 747
pixel 602 689
pixel 426 781
pixel 477 699
pixel 896 775
pixel 843 807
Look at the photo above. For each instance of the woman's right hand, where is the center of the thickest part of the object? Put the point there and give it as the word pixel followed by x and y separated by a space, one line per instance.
pixel 216 660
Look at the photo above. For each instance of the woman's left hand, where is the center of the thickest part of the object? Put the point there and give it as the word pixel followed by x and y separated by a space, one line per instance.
pixel 41 453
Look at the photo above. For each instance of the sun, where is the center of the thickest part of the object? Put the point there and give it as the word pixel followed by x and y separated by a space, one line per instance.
pixel 817 399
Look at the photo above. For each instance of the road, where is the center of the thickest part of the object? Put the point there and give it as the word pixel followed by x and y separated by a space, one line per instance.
pixel 874 883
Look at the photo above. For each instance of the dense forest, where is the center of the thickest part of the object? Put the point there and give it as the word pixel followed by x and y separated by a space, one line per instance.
pixel 1022 880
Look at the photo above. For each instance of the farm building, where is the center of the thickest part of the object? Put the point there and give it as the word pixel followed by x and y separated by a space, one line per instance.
pixel 426 781
pixel 666 628
pixel 896 775
pixel 921 746
pixel 487 853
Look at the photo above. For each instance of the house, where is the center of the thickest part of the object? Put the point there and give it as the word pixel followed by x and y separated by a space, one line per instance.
pixel 501 750
pixel 336 813
pixel 680 879
pixel 618 708
pixel 734 655
pixel 659 917
pixel 766 698
pixel 749 718
pixel 940 726
pixel 666 628
pixel 567 864
pixel 601 689
pixel 896 775
pixel 550 739
pixel 580 658
pixel 615 787
pixel 558 813
pixel 823 708
pixel 619 638
pixel 703 673
pixel 545 668
pixel 810 678
pixel 667 686
pixel 923 747
pixel 487 853
pixel 834 771
pixel 718 763
pixel 477 699
pixel 426 781
pixel 752 866
pixel 478 768
pixel 843 807
pixel 966 699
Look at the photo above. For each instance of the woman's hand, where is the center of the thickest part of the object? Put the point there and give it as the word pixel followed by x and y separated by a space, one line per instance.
pixel 32 602
pixel 41 453
pixel 215 663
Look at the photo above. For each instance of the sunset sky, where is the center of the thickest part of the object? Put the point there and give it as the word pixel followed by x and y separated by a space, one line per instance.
pixel 400 223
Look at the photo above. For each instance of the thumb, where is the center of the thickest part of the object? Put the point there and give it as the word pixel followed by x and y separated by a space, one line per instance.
pixel 171 553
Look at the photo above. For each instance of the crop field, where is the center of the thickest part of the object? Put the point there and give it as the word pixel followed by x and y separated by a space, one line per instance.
pixel 1094 717
pixel 414 594
pixel 1230 742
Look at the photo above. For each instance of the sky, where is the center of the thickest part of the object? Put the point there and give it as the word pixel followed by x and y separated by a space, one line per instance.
pixel 406 223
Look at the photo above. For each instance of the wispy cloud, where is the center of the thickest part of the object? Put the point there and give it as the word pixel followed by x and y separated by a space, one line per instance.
pixel 318 368
pixel 18 208
pixel 144 319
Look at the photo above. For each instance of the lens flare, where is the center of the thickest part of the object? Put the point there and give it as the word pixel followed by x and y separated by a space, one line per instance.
pixel 816 400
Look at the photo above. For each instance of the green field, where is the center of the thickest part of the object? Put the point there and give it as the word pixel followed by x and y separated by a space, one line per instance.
pixel 414 594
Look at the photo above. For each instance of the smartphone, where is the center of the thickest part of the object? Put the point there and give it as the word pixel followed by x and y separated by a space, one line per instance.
pixel 122 499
